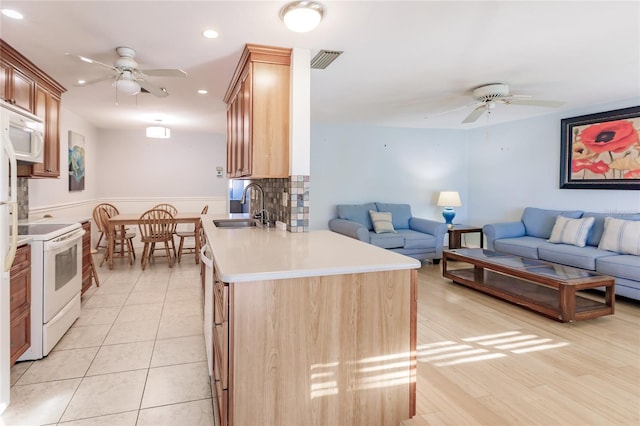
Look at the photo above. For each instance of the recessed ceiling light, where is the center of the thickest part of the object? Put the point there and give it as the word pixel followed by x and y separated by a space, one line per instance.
pixel 203 92
pixel 210 34
pixel 14 14
pixel 81 81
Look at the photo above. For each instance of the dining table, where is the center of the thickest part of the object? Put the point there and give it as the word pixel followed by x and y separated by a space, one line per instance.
pixel 134 219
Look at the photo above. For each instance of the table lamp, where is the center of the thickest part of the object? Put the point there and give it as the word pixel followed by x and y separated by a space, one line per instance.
pixel 449 200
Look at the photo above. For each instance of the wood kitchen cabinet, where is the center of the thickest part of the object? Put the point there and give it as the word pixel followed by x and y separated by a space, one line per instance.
pixel 20 303
pixel 48 108
pixel 258 114
pixel 25 85
pixel 16 87
pixel 86 256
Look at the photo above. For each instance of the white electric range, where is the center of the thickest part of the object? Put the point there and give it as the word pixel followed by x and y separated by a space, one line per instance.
pixel 56 282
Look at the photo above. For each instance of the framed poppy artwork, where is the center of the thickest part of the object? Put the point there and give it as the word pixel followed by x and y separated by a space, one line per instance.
pixel 601 151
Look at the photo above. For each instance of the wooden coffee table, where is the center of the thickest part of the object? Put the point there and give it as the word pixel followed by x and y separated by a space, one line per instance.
pixel 543 287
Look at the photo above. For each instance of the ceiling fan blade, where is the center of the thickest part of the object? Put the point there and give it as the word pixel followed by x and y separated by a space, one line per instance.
pixel 436 114
pixel 92 61
pixel 96 80
pixel 160 92
pixel 163 73
pixel 475 114
pixel 533 102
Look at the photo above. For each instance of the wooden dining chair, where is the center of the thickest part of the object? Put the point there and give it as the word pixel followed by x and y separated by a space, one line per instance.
pixel 97 219
pixel 174 211
pixel 122 233
pixel 189 234
pixel 156 226
pixel 168 207
pixel 121 238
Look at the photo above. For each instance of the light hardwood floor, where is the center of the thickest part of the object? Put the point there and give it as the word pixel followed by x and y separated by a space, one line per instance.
pixel 485 361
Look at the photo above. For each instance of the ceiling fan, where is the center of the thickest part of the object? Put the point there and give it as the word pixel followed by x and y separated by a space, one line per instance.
pixel 128 78
pixel 488 95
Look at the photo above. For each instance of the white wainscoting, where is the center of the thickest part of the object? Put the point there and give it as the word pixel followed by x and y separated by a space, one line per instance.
pixel 79 211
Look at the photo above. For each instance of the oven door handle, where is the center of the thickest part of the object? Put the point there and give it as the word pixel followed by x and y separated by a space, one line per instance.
pixel 63 240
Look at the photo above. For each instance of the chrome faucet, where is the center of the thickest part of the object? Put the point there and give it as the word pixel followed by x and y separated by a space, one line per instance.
pixel 258 212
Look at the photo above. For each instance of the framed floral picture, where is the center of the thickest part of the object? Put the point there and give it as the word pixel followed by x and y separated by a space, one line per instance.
pixel 76 161
pixel 601 151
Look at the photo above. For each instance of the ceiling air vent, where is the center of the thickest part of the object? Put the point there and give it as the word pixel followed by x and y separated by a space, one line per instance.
pixel 324 58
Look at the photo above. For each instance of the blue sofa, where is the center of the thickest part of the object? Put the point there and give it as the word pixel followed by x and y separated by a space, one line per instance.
pixel 528 238
pixel 421 239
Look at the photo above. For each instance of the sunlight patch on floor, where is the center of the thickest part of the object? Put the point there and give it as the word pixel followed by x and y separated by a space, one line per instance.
pixel 482 348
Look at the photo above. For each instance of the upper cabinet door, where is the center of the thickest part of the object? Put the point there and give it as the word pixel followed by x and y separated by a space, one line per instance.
pixel 24 89
pixel 258 114
pixel 16 87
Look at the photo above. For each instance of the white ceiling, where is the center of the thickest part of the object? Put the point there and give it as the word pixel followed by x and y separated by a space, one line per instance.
pixel 402 60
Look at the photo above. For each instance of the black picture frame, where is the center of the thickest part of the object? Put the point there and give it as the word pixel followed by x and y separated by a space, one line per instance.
pixel 600 151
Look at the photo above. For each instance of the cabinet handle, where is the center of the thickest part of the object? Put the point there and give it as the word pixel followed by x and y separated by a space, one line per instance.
pixel 11 299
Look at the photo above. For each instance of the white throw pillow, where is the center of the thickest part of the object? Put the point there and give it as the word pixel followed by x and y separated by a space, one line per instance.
pixel 621 236
pixel 571 231
pixel 381 222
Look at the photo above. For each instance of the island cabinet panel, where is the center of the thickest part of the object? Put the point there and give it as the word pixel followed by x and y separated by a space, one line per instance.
pixel 326 350
pixel 258 114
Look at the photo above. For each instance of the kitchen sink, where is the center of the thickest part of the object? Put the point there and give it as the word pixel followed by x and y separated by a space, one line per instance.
pixel 235 223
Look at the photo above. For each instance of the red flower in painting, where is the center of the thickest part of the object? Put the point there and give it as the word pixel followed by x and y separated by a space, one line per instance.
pixel 598 167
pixel 614 136
pixel 632 174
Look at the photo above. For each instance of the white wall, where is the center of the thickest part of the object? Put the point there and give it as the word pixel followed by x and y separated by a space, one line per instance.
pixel 517 164
pixel 132 165
pixel 498 170
pixel 356 164
pixel 47 195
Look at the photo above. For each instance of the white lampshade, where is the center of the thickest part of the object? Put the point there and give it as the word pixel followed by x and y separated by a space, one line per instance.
pixel 449 199
pixel 302 16
pixel 158 132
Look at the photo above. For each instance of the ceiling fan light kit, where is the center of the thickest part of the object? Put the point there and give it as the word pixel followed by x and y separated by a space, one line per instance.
pixel 302 16
pixel 127 84
pixel 130 80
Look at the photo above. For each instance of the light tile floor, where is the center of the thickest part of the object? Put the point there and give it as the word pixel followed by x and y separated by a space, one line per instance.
pixel 135 356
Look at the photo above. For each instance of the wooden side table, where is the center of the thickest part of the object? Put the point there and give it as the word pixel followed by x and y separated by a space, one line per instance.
pixel 455 235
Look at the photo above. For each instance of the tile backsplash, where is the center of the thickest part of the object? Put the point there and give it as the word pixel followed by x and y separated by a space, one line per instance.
pixel 286 200
pixel 23 198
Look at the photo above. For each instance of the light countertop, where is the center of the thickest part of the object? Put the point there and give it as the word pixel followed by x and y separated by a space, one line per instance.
pixel 251 254
pixel 23 239
pixel 56 220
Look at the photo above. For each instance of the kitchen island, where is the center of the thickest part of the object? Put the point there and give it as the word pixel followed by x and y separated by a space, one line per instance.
pixel 310 328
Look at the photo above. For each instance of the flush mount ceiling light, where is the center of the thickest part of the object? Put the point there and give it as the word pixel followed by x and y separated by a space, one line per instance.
pixel 158 132
pixel 302 16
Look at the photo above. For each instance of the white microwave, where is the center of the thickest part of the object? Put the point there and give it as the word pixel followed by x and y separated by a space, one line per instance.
pixel 24 131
